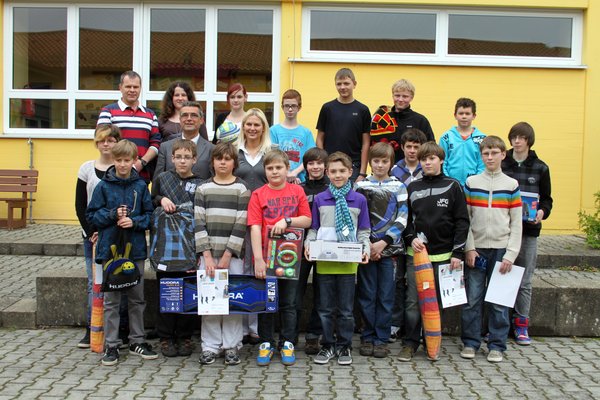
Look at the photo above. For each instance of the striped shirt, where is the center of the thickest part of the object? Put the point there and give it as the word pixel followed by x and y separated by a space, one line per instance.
pixel 139 126
pixel 220 215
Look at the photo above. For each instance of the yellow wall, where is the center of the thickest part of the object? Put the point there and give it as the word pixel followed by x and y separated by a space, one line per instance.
pixel 562 104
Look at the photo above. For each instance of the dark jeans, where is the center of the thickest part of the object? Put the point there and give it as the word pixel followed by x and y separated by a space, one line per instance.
pixel 287 315
pixel 174 326
pixel 400 293
pixel 376 299
pixel 476 281
pixel 313 327
pixel 336 299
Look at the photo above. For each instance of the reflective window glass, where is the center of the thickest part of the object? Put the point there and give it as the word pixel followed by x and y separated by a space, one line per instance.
pixel 372 32
pixel 39 113
pixel 498 35
pixel 177 48
pixel 39 48
pixel 105 47
pixel 245 49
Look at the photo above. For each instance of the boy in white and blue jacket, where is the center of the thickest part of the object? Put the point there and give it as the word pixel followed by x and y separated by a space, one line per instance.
pixel 388 212
pixel 461 143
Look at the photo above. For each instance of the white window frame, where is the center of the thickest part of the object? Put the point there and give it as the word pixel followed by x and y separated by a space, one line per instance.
pixel 140 62
pixel 441 56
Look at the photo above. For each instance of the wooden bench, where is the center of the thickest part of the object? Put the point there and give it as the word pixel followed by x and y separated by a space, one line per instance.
pixel 17 181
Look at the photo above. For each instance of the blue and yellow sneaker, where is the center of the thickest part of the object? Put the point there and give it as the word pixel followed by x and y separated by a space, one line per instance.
pixel 265 353
pixel 288 357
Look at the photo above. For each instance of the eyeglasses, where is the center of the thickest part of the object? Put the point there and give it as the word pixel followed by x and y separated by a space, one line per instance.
pixel 189 115
pixel 490 153
pixel 290 106
pixel 179 158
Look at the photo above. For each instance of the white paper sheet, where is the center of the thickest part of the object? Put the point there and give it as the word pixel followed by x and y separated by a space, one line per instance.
pixel 213 293
pixel 503 288
pixel 452 285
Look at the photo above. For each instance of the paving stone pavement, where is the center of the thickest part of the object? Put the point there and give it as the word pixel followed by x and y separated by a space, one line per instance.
pixel 45 364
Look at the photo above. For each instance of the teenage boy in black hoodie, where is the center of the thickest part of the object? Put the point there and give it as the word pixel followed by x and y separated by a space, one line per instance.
pixel 315 163
pixel 436 208
pixel 533 175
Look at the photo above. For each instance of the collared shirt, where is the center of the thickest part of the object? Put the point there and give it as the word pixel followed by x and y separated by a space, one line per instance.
pixel 404 175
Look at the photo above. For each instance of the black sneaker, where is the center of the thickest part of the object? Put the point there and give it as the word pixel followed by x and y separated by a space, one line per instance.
pixel 111 356
pixel 84 343
pixel 345 356
pixel 143 350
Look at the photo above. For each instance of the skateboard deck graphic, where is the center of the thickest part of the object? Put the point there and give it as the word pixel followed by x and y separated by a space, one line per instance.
pixel 428 304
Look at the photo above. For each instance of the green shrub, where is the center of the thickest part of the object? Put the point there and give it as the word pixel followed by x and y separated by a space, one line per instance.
pixel 590 223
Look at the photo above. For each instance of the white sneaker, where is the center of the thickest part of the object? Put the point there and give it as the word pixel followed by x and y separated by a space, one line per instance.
pixel 468 353
pixel 494 356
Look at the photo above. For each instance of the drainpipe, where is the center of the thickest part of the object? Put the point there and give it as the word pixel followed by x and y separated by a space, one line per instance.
pixel 30 143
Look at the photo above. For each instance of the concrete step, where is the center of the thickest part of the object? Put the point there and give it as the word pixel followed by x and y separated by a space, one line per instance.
pixel 565 303
pixel 20 315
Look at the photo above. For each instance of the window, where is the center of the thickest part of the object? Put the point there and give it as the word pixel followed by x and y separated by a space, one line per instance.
pixel 65 60
pixel 445 37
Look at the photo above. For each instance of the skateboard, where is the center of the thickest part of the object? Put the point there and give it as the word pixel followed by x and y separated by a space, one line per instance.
pixel 428 304
pixel 97 319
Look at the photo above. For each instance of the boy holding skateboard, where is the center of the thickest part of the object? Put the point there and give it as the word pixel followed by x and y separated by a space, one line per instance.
pixel 494 204
pixel 278 204
pixel 437 211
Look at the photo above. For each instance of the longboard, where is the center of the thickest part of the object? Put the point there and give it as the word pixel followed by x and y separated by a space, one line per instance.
pixel 428 304
pixel 97 320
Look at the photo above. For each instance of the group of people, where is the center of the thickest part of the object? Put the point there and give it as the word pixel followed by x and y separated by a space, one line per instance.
pixel 459 200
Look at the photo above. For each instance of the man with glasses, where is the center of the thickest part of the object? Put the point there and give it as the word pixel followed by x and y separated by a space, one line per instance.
pixel 191 119
pixel 137 123
pixel 291 137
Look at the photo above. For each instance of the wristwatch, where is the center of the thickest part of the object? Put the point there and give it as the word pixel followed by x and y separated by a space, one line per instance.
pixel 143 162
pixel 288 221
pixel 362 174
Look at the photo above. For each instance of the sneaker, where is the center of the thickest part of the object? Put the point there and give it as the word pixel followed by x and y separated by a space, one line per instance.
pixel 406 354
pixel 207 357
pixel 311 347
pixel 232 357
pixel 143 350
pixel 345 356
pixel 288 356
pixel 111 356
pixel 325 354
pixel 381 351
pixel 167 347
pixel 84 343
pixel 265 354
pixel 468 353
pixel 521 332
pixel 366 349
pixel 185 348
pixel 394 334
pixel 494 356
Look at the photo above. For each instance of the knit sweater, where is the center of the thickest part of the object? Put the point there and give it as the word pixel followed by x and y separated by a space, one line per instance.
pixel 494 205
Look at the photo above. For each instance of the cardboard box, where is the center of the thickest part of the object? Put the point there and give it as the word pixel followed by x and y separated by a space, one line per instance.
pixel 325 250
pixel 247 295
pixel 284 253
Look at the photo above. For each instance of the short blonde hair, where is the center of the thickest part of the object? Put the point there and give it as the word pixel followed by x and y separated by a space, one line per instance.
pixel 276 155
pixel 404 85
pixel 338 156
pixel 382 150
pixel 125 148
pixel 491 142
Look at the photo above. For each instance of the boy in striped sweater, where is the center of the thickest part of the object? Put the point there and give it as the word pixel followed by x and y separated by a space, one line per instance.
pixel 220 214
pixel 494 205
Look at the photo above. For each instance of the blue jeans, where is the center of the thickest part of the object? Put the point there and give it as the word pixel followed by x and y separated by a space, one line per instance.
pixel 287 315
pixel 87 254
pixel 376 299
pixel 313 327
pixel 336 299
pixel 476 281
pixel 527 259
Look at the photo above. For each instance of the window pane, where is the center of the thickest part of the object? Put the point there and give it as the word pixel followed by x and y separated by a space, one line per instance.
pixel 372 32
pixel 38 113
pixel 40 48
pixel 105 47
pixel 177 48
pixel 510 36
pixel 87 111
pixel 245 49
